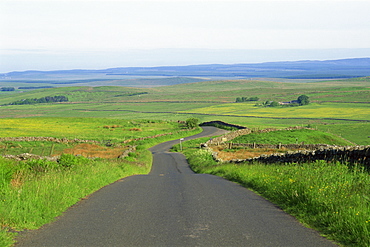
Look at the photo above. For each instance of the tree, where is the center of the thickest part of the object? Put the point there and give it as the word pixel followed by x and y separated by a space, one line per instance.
pixel 303 100
pixel 7 89
pixel 274 104
pixel 192 123
pixel 254 99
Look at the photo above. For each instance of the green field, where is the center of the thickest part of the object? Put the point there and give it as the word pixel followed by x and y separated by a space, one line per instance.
pixel 306 136
pixel 332 198
pixel 117 114
pixel 34 192
pixel 337 106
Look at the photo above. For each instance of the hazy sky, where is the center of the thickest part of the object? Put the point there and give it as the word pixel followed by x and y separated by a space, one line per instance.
pixel 54 34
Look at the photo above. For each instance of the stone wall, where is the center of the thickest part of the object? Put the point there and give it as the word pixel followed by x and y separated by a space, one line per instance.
pixel 350 154
pixel 308 152
pixel 232 135
pixel 271 146
pixel 228 137
pixel 49 139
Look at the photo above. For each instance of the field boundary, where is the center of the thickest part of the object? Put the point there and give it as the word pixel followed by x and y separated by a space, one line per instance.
pixel 344 154
pixel 49 139
pixel 307 153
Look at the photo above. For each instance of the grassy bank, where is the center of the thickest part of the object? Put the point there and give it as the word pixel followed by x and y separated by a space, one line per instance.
pixel 331 198
pixel 34 192
pixel 307 136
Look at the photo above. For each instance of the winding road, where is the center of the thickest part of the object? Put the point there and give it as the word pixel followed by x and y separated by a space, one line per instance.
pixel 172 206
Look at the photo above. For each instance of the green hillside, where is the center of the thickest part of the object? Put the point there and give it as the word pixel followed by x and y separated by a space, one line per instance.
pixel 334 104
pixel 306 136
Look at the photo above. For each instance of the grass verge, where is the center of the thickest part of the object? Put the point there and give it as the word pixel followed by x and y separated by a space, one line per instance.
pixel 34 192
pixel 331 198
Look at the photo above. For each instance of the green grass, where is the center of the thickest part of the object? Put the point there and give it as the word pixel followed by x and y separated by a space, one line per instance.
pixel 331 198
pixel 358 133
pixel 42 148
pixel 327 110
pixel 333 104
pixel 307 136
pixel 92 108
pixel 34 192
pixel 85 128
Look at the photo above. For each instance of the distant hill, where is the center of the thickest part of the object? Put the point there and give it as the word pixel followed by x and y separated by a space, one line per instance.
pixel 345 68
pixel 169 75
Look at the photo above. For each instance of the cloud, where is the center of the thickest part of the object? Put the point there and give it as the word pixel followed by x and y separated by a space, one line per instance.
pixel 71 27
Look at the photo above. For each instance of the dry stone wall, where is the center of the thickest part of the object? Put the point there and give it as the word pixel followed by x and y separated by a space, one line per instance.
pixel 272 146
pixel 232 135
pixel 49 139
pixel 228 137
pixel 307 152
pixel 352 155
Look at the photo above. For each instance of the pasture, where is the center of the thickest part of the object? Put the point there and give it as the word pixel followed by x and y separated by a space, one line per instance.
pixel 112 114
pixel 337 106
pixel 35 191
pixel 331 197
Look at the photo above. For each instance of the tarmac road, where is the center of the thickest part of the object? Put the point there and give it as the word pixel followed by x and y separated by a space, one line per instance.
pixel 172 206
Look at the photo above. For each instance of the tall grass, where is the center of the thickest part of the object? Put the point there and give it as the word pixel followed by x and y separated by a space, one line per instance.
pixel 36 191
pixel 332 198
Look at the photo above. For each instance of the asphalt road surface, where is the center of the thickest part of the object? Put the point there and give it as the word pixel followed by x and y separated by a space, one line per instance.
pixel 172 206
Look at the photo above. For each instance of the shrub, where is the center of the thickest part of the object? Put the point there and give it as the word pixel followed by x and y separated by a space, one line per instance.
pixel 192 123
pixel 69 160
pixel 303 100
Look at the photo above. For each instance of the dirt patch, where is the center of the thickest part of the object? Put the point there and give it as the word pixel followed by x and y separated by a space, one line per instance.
pixel 94 151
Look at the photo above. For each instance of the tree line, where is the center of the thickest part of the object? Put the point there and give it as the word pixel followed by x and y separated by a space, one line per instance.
pixel 7 89
pixel 245 99
pixel 301 100
pixel 47 99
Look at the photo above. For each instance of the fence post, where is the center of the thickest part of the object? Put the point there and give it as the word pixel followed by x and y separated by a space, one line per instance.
pixel 254 145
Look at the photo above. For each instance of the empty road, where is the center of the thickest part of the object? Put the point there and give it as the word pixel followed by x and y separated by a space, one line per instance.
pixel 172 206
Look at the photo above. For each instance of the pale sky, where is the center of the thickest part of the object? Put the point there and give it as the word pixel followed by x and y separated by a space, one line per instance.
pixel 99 34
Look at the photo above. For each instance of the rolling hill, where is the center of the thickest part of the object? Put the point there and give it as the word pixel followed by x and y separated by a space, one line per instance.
pixel 172 75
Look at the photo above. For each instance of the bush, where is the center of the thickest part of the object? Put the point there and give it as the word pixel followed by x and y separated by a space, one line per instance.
pixel 274 104
pixel 39 165
pixel 69 160
pixel 303 100
pixel 192 123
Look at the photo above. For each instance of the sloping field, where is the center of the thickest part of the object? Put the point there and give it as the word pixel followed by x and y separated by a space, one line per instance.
pixel 333 102
pixel 328 110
